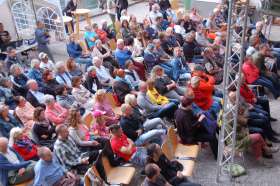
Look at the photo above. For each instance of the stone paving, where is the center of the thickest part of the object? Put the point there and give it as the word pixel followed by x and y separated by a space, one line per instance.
pixel 205 170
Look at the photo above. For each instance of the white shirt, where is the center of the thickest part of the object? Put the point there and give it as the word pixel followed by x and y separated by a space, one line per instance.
pixel 153 15
pixel 48 65
pixel 38 95
pixel 11 156
pixel 102 74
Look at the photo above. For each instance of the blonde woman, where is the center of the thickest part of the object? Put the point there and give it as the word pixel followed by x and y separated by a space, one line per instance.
pixel 102 104
pixel 22 144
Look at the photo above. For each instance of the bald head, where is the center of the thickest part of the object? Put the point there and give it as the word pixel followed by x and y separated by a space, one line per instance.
pixel 3 144
pixel 45 153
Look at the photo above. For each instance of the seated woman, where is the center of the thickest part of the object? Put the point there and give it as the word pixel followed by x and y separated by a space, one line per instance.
pixel 249 96
pixel 90 37
pixel 7 121
pixel 35 72
pixel 7 93
pixel 23 144
pixel 76 52
pixel 50 84
pixel 91 82
pixel 244 140
pixel 104 53
pixel 131 75
pixel 126 31
pixel 99 127
pixel 73 68
pixel 76 131
pixel 121 86
pixel 24 111
pixel 211 66
pixel 103 104
pixel 43 130
pixel 148 124
pixel 193 128
pixel 134 26
pixel 155 97
pixel 62 76
pixel 252 76
pixel 19 80
pixel 165 86
pixel 55 113
pixel 64 99
pixel 170 170
pixel 83 96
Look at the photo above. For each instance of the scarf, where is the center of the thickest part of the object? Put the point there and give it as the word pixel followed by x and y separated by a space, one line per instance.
pixel 24 143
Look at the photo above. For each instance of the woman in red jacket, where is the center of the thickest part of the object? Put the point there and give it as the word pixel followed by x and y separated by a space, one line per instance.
pixel 252 76
pixel 23 144
pixel 250 97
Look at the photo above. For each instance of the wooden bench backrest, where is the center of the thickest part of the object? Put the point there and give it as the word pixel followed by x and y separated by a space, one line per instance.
pixel 106 164
pixel 166 150
pixel 111 99
pixel 172 137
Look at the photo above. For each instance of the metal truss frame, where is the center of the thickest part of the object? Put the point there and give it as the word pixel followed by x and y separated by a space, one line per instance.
pixel 232 79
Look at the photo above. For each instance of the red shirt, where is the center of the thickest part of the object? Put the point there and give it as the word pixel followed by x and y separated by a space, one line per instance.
pixel 251 72
pixel 117 143
pixel 247 93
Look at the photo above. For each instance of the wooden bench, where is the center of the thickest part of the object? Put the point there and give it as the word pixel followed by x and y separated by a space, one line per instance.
pixel 187 164
pixel 180 150
pixel 185 154
pixel 117 175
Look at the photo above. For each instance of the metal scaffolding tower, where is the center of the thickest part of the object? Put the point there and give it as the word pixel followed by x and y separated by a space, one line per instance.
pixel 237 17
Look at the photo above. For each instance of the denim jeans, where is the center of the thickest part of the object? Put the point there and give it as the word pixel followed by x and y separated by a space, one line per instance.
pixel 148 136
pixel 264 103
pixel 155 123
pixel 84 60
pixel 176 93
pixel 263 81
pixel 197 59
pixel 167 110
pixel 139 157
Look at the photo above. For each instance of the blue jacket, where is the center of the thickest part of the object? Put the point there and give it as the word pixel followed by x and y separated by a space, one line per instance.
pixel 122 56
pixel 36 75
pixel 178 68
pixel 5 126
pixel 6 166
pixel 74 50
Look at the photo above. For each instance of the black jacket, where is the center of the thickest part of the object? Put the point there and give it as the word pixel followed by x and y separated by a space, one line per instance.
pixel 70 7
pixel 33 100
pixel 161 84
pixel 130 126
pixel 90 81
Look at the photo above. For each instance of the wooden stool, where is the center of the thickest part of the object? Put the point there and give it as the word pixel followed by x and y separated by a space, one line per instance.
pixel 67 21
pixel 78 13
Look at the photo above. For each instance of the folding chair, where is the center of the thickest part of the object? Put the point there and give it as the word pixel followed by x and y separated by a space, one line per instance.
pixel 187 163
pixel 180 150
pixel 118 175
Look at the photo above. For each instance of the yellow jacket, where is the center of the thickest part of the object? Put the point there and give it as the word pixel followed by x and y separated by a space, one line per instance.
pixel 156 98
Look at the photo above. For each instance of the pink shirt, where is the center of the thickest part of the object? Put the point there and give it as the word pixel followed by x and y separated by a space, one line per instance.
pixel 101 130
pixel 25 114
pixel 57 114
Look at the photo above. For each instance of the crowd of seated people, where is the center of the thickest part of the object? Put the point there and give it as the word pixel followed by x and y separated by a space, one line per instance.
pixel 163 72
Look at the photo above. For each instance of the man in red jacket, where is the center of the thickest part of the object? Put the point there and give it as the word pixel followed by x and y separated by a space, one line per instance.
pixel 203 95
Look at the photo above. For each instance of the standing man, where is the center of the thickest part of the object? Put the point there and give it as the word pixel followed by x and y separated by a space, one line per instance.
pixel 120 5
pixel 43 39
pixel 69 10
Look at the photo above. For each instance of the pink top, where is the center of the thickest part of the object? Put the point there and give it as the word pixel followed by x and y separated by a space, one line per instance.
pixel 25 114
pixel 105 107
pixel 57 114
pixel 101 130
